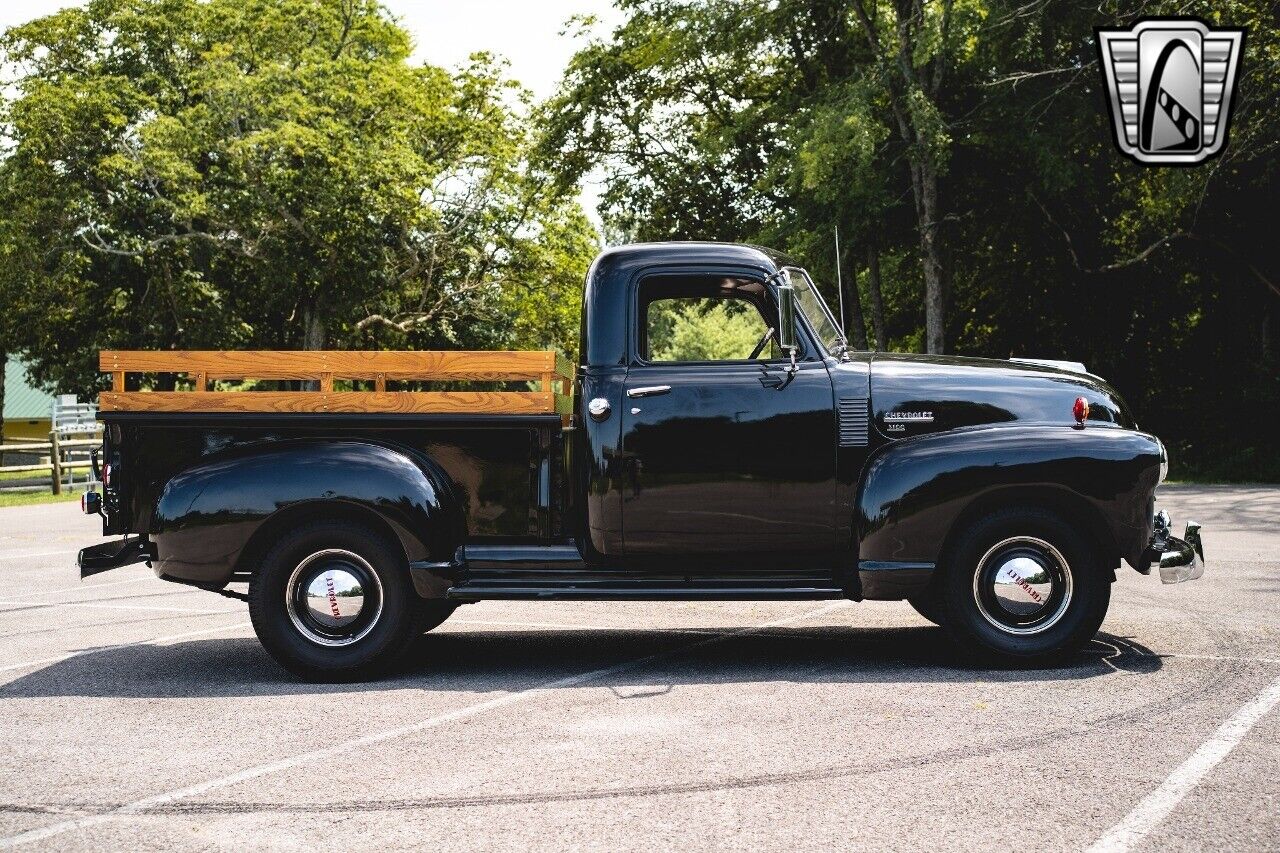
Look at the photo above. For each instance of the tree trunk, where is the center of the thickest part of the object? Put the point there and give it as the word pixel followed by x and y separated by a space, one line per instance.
pixel 930 255
pixel 877 301
pixel 312 336
pixel 904 82
pixel 857 329
pixel 312 325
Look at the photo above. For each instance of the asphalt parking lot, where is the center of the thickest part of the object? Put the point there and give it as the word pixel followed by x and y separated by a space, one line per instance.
pixel 137 714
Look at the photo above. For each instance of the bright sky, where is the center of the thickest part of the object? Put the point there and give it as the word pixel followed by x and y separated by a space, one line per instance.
pixel 526 32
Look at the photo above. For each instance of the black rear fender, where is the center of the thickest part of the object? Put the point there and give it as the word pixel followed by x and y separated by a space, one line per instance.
pixel 915 492
pixel 211 518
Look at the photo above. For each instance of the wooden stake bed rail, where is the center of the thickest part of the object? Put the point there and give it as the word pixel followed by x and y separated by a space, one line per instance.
pixel 548 368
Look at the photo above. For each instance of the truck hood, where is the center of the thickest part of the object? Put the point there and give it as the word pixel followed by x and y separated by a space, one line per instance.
pixel 919 394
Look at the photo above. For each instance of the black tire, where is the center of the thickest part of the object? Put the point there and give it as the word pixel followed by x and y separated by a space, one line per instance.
pixel 929 606
pixel 1022 587
pixel 390 614
pixel 433 612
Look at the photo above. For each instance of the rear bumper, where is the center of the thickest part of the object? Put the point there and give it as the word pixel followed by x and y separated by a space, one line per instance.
pixel 112 555
pixel 1179 559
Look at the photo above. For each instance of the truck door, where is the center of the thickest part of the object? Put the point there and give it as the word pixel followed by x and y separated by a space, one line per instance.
pixel 728 458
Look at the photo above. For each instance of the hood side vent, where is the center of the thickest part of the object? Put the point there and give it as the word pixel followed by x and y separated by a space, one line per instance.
pixel 854 421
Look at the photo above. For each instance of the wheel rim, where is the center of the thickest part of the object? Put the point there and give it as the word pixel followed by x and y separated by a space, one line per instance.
pixel 1023 585
pixel 334 597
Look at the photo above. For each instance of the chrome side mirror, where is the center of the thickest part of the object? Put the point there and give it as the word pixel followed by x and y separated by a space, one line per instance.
pixel 787 321
pixel 786 317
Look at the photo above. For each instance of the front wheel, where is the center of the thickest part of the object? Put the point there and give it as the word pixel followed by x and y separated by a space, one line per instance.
pixel 929 605
pixel 1023 587
pixel 332 601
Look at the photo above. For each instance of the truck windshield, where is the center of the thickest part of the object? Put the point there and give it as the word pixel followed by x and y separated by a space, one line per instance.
pixel 816 311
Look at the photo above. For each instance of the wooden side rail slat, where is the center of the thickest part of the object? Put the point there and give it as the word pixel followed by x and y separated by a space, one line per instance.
pixel 552 371
pixel 295 364
pixel 420 402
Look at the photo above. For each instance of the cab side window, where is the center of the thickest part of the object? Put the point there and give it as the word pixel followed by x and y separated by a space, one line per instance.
pixel 703 319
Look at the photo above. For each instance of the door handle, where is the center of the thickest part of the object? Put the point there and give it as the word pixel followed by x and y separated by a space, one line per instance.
pixel 648 391
pixel 773 380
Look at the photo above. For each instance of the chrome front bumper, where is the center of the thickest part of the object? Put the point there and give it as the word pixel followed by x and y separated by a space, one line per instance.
pixel 1179 559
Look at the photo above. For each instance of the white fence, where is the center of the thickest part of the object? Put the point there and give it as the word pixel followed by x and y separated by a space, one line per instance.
pixel 75 432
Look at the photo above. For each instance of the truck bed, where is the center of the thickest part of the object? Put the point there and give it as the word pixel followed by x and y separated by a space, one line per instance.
pixel 501 448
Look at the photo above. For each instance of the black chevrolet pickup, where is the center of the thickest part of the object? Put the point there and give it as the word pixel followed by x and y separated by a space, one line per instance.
pixel 722 442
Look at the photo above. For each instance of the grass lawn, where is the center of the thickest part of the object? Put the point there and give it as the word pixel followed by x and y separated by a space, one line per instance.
pixel 39 496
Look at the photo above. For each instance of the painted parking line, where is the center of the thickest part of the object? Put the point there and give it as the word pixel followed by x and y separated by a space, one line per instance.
pixel 149 641
pixel 4 556
pixel 41 605
pixel 1245 658
pixel 1157 805
pixel 137 806
pixel 90 587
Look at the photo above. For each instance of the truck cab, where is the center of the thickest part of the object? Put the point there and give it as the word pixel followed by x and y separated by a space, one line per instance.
pixel 721 441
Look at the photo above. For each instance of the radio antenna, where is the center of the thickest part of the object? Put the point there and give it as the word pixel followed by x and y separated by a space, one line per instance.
pixel 840 284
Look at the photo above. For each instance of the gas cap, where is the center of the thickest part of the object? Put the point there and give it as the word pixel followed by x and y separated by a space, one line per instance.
pixel 598 408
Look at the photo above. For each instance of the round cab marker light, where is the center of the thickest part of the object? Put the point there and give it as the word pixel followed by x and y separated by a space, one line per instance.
pixel 1081 411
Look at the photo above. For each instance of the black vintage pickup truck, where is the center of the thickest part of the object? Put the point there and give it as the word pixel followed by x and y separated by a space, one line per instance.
pixel 722 441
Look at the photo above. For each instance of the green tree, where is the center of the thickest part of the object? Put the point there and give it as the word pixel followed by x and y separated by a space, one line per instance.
pixel 965 151
pixel 269 173
pixel 769 120
pixel 702 330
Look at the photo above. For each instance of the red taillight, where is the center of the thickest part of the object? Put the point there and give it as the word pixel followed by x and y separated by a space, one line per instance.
pixel 106 475
pixel 1080 410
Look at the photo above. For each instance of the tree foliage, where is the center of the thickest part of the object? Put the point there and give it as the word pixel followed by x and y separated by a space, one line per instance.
pixel 269 173
pixel 773 121
pixel 702 330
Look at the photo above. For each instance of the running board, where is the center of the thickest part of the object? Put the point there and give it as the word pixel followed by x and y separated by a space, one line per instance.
pixel 639 591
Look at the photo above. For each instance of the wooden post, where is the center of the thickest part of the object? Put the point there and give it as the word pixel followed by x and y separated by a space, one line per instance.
pixel 55 462
pixel 326 383
pixel 380 382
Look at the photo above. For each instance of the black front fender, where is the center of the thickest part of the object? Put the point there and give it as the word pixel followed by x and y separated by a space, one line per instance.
pixel 208 513
pixel 914 491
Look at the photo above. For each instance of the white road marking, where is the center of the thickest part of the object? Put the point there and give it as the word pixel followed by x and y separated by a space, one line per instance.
pixel 37 554
pixel 1157 805
pixel 170 637
pixel 108 606
pixel 1224 657
pixel 90 587
pixel 290 762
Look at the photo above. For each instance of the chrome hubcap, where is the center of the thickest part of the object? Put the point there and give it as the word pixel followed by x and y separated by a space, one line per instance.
pixel 1022 585
pixel 334 597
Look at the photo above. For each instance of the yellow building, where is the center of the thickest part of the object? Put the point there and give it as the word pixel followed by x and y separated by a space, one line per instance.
pixel 27 410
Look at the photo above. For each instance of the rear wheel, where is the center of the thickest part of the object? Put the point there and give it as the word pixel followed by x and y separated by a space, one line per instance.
pixel 332 601
pixel 1023 587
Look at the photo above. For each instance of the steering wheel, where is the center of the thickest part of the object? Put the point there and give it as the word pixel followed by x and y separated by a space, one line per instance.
pixel 764 339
